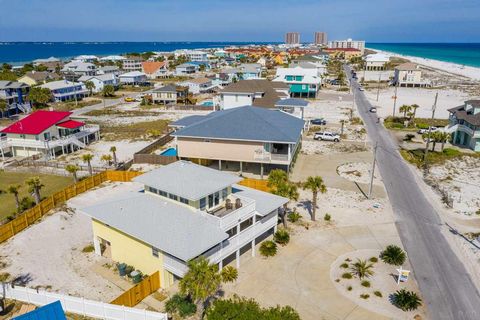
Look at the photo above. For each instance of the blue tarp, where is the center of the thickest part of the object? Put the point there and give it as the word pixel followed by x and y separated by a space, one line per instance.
pixel 52 311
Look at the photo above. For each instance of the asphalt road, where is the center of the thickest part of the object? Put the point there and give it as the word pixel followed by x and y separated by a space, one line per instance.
pixel 447 288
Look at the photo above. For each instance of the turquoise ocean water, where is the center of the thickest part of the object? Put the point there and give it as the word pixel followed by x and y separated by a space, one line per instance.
pixel 467 54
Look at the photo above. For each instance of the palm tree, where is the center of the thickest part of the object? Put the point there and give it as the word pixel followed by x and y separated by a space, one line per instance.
pixel 113 150
pixel 229 274
pixel 107 158
pixel 90 86
pixel 108 91
pixel 87 158
pixel 393 255
pixel 15 190
pixel 3 107
pixel 276 177
pixel 72 168
pixel 406 300
pixel 288 190
pixel 443 137
pixel 316 185
pixel 34 186
pixel 362 269
pixel 405 108
pixel 414 108
pixel 201 282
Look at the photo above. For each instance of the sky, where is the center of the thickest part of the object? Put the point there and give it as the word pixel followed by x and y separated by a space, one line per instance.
pixel 246 20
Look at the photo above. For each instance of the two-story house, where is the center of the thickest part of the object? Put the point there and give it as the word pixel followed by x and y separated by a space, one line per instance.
pixel 179 212
pixel 155 69
pixel 100 81
pixel 464 125
pixel 198 85
pixel 80 68
pixel 303 82
pixel 409 75
pixel 186 69
pixel 170 94
pixel 63 90
pixel 251 136
pixel 132 64
pixel 15 95
pixel 133 78
pixel 50 133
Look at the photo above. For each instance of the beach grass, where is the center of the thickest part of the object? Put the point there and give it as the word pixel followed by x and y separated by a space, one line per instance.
pixel 416 156
pixel 134 131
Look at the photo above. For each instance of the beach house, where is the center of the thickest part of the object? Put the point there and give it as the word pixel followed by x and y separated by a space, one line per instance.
pixel 303 82
pixel 376 62
pixel 133 78
pixel 464 125
pixel 170 94
pixel 198 85
pixel 63 90
pixel 409 75
pixel 15 95
pixel 186 69
pixel 256 137
pixel 100 81
pixel 80 68
pixel 33 78
pixel 155 69
pixel 179 212
pixel 50 133
pixel 132 63
pixel 259 93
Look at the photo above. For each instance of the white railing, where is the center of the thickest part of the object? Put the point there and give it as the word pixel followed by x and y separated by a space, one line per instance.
pixel 174 265
pixel 461 127
pixel 232 218
pixel 279 157
pixel 87 308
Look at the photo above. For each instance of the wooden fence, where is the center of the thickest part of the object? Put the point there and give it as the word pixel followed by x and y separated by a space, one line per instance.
pixel 258 184
pixel 30 216
pixel 138 292
pixel 153 159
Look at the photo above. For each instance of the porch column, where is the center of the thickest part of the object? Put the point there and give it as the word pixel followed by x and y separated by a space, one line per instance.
pixel 253 248
pixel 220 165
pixel 261 171
pixel 96 245
pixel 237 258
pixel 289 152
pixel 220 265
pixel 241 167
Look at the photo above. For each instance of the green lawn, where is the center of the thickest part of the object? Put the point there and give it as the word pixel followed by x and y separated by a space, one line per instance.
pixel 52 184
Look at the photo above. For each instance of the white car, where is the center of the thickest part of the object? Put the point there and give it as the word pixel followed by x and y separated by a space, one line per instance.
pixel 327 136
pixel 361 89
pixel 422 131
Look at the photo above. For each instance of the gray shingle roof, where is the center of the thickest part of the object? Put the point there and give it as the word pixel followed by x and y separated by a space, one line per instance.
pixel 291 102
pixel 264 202
pixel 246 123
pixel 161 223
pixel 187 180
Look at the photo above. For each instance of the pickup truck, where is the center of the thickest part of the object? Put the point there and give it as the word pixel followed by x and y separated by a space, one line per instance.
pixel 327 136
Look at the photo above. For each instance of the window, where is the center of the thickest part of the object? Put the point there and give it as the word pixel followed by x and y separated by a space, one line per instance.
pixel 232 232
pixel 245 224
pixel 183 200
pixel 224 193
pixel 155 252
pixel 173 197
pixel 203 203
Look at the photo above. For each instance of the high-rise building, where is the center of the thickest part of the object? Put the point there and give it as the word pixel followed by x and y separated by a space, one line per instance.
pixel 345 44
pixel 292 38
pixel 320 38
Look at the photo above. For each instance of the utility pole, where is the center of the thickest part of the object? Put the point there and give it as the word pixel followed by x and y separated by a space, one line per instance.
pixel 378 86
pixel 425 164
pixel 395 98
pixel 370 189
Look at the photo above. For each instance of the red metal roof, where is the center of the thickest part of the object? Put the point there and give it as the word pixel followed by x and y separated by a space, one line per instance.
pixel 37 122
pixel 70 124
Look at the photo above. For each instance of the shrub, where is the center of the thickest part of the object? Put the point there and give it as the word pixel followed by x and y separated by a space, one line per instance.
pixel 88 248
pixel 349 288
pixel 373 259
pixel 181 305
pixel 362 269
pixel 364 296
pixel 451 152
pixel 327 217
pixel 294 216
pixel 229 274
pixel 268 248
pixel 408 137
pixel 281 237
pixel 406 300
pixel 344 265
pixel 365 283
pixel 347 275
pixel 393 255
pixel 378 294
pixel 337 280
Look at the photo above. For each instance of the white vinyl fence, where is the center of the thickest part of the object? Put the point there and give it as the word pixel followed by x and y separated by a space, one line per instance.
pixel 81 306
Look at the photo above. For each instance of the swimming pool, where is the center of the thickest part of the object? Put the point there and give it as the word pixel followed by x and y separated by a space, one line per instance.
pixel 172 152
pixel 207 103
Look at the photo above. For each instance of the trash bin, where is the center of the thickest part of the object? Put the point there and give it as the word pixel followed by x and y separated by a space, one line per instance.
pixel 122 269
pixel 136 276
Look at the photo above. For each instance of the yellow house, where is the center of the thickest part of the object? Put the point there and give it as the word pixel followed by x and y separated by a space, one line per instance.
pixel 34 78
pixel 183 211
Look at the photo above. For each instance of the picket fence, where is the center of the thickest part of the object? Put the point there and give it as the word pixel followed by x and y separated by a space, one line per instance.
pixel 87 308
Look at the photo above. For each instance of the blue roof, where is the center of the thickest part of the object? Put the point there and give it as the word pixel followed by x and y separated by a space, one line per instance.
pixel 187 121
pixel 246 123
pixel 291 102
pixel 52 311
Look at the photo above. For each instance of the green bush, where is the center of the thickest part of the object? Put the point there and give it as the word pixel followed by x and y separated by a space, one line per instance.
pixel 344 265
pixel 451 152
pixel 406 300
pixel 229 274
pixel 88 248
pixel 281 237
pixel 365 296
pixel 365 283
pixel 327 217
pixel 349 288
pixel 347 275
pixel 373 259
pixel 422 125
pixel 393 255
pixel 294 216
pixel 378 294
pixel 409 137
pixel 181 305
pixel 268 248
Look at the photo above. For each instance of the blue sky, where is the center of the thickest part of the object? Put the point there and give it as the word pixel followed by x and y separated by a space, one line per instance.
pixel 247 20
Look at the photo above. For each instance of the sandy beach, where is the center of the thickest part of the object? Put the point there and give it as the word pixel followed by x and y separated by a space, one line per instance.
pixel 461 70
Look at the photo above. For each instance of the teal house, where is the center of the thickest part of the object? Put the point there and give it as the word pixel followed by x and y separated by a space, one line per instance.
pixel 303 82
pixel 464 125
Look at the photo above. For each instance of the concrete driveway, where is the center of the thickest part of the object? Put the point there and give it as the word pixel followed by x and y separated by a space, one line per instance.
pixel 299 275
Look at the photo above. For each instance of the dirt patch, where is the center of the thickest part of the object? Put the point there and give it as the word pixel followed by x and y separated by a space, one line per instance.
pixel 356 171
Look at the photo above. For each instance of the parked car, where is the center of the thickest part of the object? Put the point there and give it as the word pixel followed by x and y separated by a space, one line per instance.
pixel 422 131
pixel 319 121
pixel 129 99
pixel 373 110
pixel 327 136
pixel 361 89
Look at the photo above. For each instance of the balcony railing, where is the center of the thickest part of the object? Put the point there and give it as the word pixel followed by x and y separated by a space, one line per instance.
pixel 270 157
pixel 226 218
pixel 462 127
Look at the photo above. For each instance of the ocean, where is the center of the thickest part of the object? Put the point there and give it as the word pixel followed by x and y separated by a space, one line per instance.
pixel 21 52
pixel 467 54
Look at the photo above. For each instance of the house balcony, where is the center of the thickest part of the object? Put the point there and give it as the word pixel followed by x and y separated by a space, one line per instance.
pixel 463 128
pixel 269 157
pixel 231 211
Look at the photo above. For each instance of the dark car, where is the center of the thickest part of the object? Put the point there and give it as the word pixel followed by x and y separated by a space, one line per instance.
pixel 319 122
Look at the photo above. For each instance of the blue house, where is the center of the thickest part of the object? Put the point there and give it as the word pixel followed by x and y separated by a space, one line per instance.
pixel 464 125
pixel 52 311
pixel 15 94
